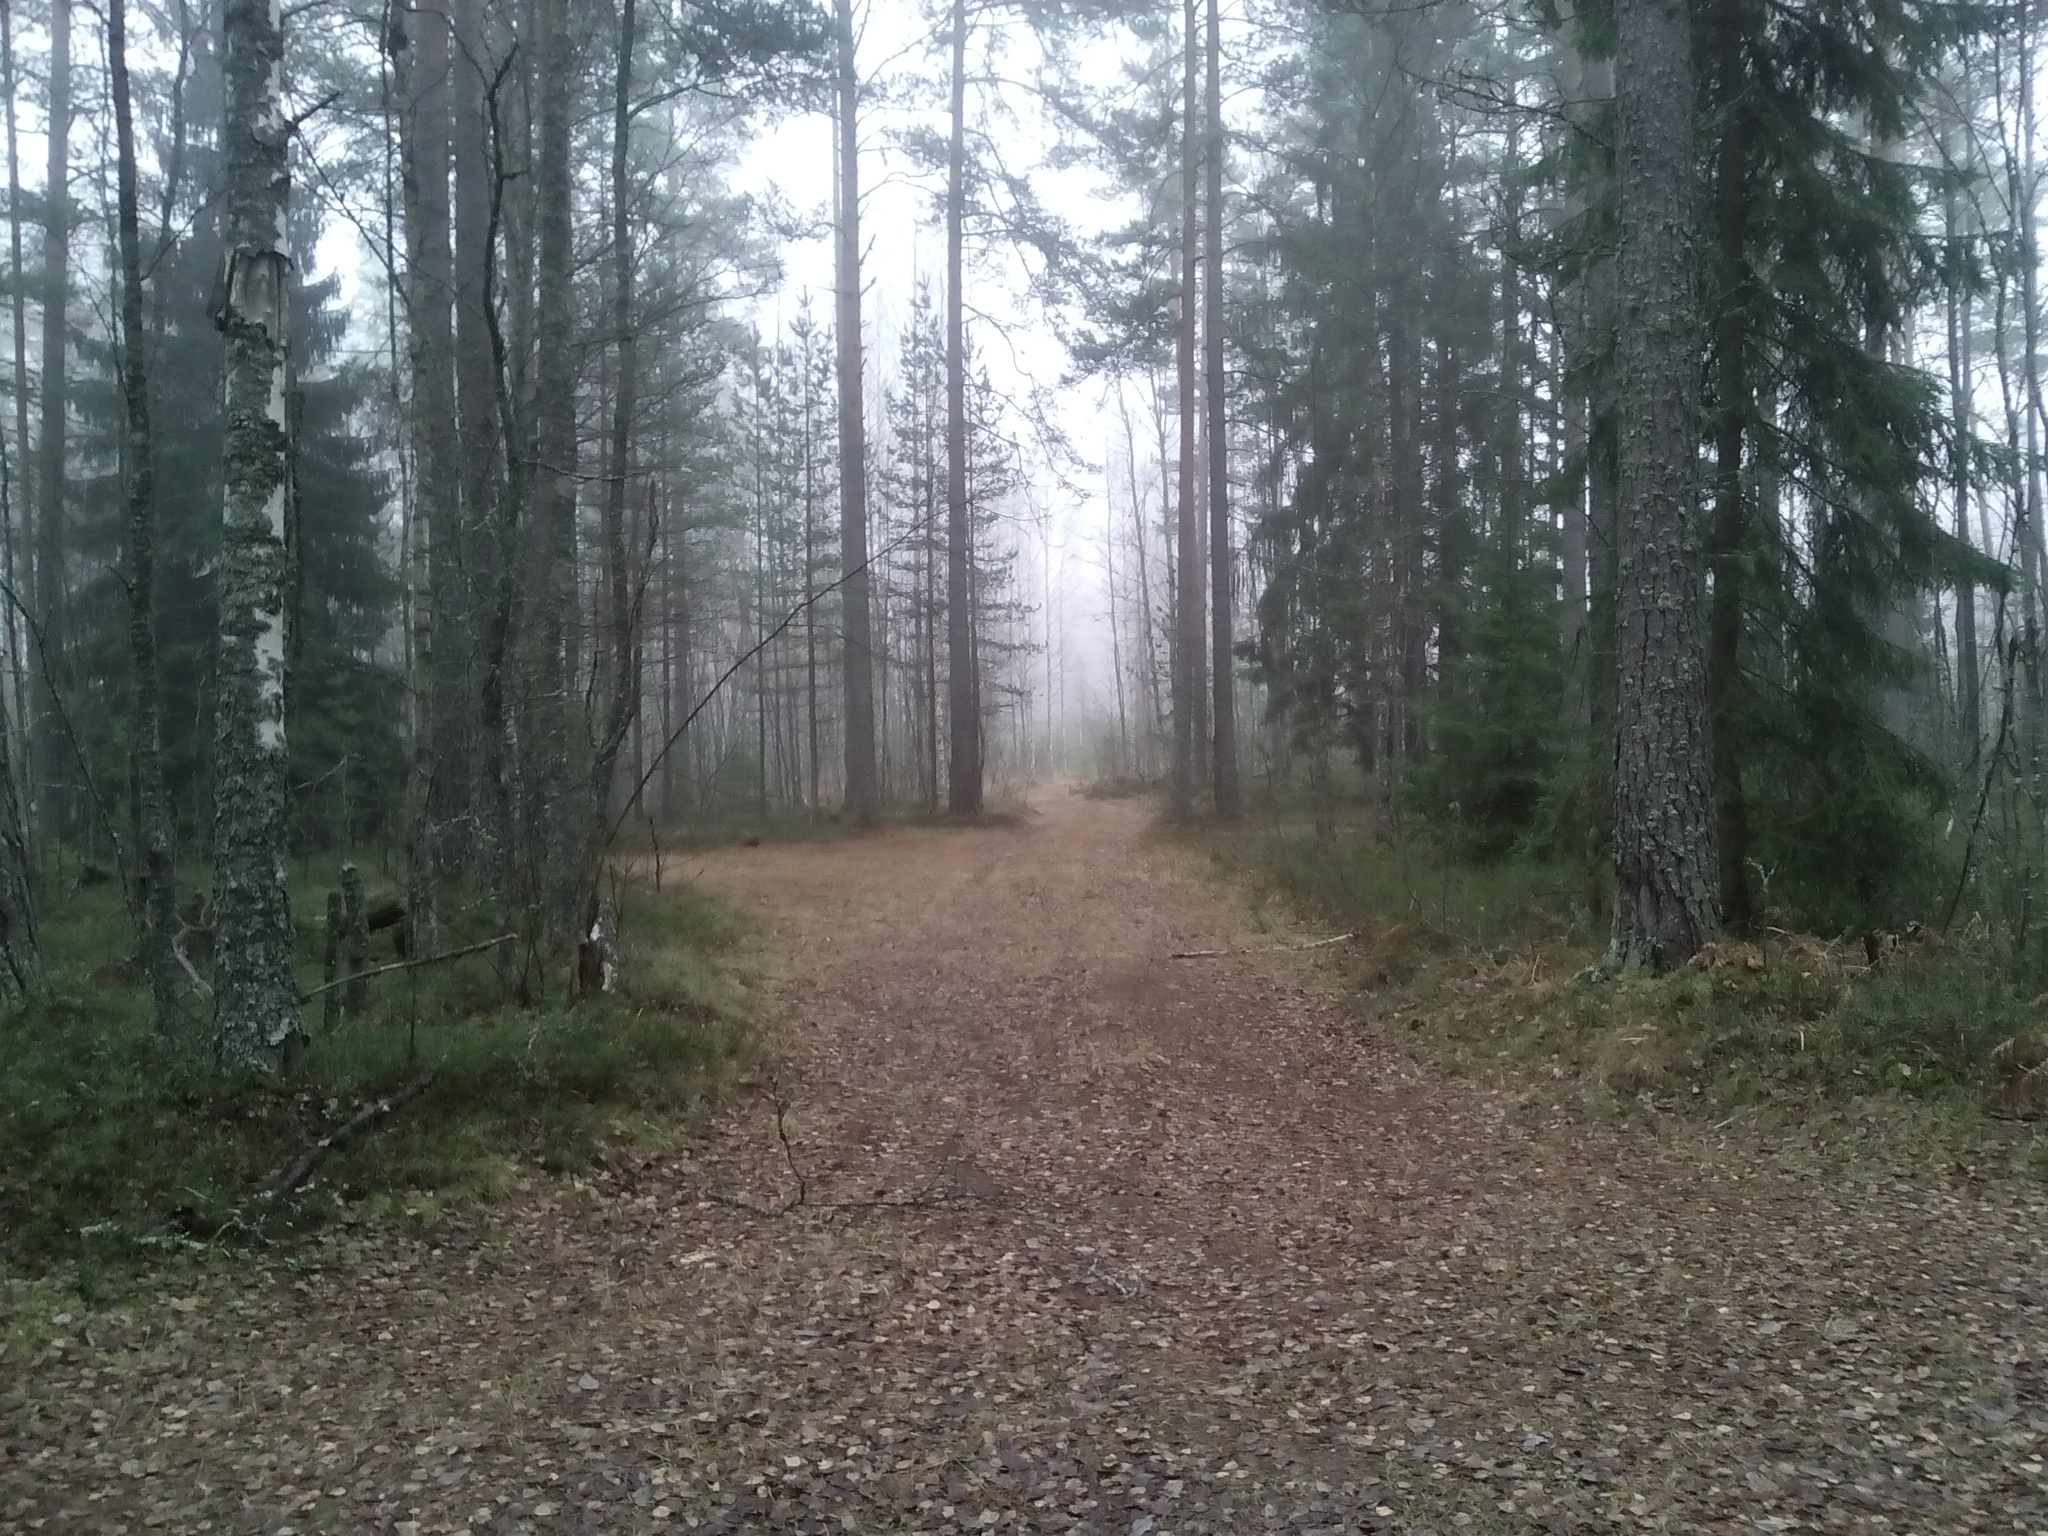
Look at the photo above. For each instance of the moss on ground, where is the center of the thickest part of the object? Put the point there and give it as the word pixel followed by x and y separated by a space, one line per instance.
pixel 117 1145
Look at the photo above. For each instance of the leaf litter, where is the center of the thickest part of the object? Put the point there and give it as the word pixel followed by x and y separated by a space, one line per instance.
pixel 1033 1229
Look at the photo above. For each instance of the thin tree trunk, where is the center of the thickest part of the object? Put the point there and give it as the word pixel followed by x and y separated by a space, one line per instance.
pixel 1146 630
pixel 1222 562
pixel 1116 652
pixel 2030 534
pixel 475 386
pixel 19 541
pixel 556 649
pixel 963 685
pixel 421 56
pixel 53 769
pixel 21 964
pixel 1664 828
pixel 1969 724
pixel 813 789
pixel 502 636
pixel 1189 637
pixel 863 797
pixel 158 894
pixel 621 663
pixel 257 1009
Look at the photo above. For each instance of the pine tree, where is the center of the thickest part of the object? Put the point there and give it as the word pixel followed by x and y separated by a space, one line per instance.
pixel 1664 906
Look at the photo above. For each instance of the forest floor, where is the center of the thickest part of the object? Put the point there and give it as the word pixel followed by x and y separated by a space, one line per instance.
pixel 1070 1235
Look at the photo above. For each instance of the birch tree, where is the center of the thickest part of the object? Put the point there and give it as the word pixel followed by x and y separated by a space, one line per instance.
pixel 256 995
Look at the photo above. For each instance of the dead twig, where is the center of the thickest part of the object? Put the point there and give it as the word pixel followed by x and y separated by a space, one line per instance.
pixel 407 965
pixel 184 960
pixel 372 1112
pixel 1269 949
pixel 926 1199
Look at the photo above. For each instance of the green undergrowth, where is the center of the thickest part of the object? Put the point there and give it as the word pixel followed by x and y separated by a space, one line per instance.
pixel 1488 968
pixel 1122 786
pixel 117 1146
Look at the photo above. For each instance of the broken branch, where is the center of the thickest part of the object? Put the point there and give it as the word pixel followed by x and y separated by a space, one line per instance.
pixel 1270 949
pixel 407 965
pixel 296 1175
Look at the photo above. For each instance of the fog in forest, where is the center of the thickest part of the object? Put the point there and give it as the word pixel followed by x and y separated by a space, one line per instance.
pixel 1022 764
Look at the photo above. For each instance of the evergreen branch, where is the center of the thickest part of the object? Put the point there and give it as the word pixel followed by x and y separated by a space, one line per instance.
pixel 70 733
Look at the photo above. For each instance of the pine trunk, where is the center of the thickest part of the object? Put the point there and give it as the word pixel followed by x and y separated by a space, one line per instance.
pixel 256 995
pixel 1223 779
pixel 1969 722
pixel 20 941
pixel 619 672
pixel 963 685
pixel 19 541
pixel 153 820
pixel 554 672
pixel 1732 410
pixel 1189 637
pixel 436 735
pixel 863 792
pixel 53 765
pixel 1664 829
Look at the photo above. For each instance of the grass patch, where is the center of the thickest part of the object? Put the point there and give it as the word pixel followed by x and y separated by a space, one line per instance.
pixel 1484 967
pixel 780 826
pixel 115 1143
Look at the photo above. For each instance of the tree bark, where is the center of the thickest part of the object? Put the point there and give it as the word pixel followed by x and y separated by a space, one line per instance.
pixel 475 385
pixel 1664 828
pixel 1732 411
pixel 2029 534
pixel 257 1008
pixel 863 791
pixel 52 761
pixel 153 820
pixel 437 740
pixel 963 686
pixel 555 650
pixel 1189 639
pixel 1223 779
pixel 1969 721
pixel 619 669
pixel 19 542
pixel 21 965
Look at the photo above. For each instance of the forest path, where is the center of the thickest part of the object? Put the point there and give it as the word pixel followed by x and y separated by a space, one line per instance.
pixel 1094 1240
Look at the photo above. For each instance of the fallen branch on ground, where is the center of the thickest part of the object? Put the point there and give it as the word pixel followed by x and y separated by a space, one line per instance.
pixel 1270 949
pixel 407 965
pixel 926 1199
pixel 289 1181
pixel 922 1200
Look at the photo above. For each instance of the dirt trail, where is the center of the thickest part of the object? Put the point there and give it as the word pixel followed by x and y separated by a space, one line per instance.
pixel 1094 1240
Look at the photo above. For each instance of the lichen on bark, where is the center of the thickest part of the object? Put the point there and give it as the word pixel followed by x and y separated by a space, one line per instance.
pixel 257 1009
